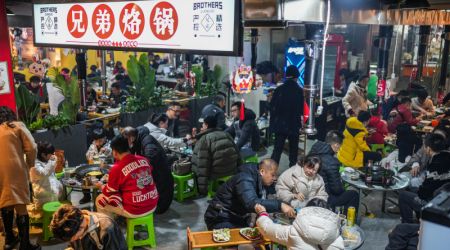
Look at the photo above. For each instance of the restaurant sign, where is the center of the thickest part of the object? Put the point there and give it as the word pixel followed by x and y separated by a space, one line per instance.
pixel 192 26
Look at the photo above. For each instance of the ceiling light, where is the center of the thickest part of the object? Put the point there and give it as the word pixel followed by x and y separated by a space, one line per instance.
pixel 9 12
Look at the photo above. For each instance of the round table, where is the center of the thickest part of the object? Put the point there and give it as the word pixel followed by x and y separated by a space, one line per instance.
pixel 78 186
pixel 402 181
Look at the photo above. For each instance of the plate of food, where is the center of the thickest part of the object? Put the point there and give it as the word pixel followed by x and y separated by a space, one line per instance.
pixel 250 233
pixel 351 236
pixel 221 235
pixel 95 173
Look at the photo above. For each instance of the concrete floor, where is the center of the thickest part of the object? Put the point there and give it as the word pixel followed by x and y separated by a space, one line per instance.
pixel 171 226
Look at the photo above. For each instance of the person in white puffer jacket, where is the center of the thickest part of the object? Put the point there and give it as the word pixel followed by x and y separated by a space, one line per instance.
pixel 314 228
pixel 158 125
pixel 46 187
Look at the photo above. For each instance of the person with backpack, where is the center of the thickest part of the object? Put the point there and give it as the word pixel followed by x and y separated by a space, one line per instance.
pixel 401 114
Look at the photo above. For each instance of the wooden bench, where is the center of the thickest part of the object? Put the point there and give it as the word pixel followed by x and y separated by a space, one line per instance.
pixel 204 239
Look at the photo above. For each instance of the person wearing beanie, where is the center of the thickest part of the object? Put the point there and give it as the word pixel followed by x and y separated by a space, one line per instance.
pixel 354 151
pixel 286 110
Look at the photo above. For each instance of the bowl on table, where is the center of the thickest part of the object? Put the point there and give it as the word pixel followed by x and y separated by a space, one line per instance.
pixel 112 110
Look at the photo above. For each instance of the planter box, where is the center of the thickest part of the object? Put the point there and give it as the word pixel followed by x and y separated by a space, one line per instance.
pixel 72 139
pixel 139 118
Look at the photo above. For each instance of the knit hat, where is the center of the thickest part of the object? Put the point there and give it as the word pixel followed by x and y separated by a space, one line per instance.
pixel 292 72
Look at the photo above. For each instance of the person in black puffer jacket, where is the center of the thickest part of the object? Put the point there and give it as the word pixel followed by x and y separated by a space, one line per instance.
pixel 214 156
pixel 142 143
pixel 245 131
pixel 337 195
pixel 238 197
pixel 437 175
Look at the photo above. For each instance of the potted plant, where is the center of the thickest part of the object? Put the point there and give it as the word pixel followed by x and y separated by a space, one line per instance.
pixel 37 126
pixel 28 105
pixel 145 97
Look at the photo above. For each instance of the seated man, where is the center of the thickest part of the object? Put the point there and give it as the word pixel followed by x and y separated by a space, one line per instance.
pixel 337 195
pixel 354 151
pixel 86 230
pixel 214 156
pixel 216 109
pixel 301 183
pixel 401 114
pixel 422 103
pixel 173 113
pixel 437 174
pixel 244 130
pixel 117 96
pixel 241 194
pixel 183 87
pixel 130 191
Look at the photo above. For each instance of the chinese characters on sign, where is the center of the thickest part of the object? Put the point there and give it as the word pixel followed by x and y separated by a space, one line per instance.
pixel 103 21
pixel 131 21
pixel 164 25
pixel 77 21
pixel 164 20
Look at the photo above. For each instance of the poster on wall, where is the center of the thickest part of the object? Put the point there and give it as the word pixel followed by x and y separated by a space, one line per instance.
pixel 4 79
pixel 193 26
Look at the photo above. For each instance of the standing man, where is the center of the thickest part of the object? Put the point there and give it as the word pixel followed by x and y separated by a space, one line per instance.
pixel 215 109
pixel 286 110
pixel 173 112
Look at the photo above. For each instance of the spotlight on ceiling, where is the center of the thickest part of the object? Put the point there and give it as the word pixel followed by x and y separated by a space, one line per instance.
pixel 9 12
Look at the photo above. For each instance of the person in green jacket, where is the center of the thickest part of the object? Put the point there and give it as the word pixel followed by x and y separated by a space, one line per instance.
pixel 215 154
pixel 372 88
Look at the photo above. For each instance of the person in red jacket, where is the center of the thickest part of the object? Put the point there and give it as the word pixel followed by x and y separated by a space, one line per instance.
pixel 402 114
pixel 379 126
pixel 131 191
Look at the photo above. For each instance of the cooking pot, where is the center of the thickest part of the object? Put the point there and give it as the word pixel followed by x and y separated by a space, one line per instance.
pixel 84 169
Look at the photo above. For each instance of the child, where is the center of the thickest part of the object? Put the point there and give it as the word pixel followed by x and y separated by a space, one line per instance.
pixel 46 187
pixel 99 147
pixel 86 230
pixel 379 126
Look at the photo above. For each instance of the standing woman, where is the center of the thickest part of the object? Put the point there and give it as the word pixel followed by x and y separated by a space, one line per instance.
pixel 15 142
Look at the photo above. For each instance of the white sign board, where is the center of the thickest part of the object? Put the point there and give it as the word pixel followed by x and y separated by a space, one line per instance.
pixel 190 26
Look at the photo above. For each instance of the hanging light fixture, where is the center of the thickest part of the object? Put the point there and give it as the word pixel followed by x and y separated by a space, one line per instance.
pixel 9 12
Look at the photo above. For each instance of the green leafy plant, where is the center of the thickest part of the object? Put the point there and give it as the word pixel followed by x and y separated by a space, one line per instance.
pixel 71 92
pixel 27 104
pixel 213 80
pixel 37 125
pixel 55 122
pixel 144 93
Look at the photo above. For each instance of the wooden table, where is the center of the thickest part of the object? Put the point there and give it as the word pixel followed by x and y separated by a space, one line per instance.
pixel 106 118
pixel 204 239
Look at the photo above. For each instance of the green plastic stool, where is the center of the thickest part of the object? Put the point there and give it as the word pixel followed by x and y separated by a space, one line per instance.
pixel 251 159
pixel 377 147
pixel 215 184
pixel 49 209
pixel 183 190
pixel 60 175
pixel 147 223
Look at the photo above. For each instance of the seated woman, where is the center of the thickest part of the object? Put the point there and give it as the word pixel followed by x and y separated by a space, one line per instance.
pixel 46 187
pixel 301 183
pixel 86 230
pixel 315 227
pixel 99 147
pixel 158 124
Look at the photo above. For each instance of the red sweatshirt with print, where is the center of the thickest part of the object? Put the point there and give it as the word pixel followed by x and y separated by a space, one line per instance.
pixel 131 186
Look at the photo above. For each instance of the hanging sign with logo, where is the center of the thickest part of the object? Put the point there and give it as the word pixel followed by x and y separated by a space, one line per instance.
pixel 210 27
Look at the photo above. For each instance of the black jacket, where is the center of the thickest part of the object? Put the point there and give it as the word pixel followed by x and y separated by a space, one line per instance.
pixel 286 108
pixel 146 145
pixel 245 131
pixel 239 195
pixel 214 110
pixel 329 168
pixel 438 174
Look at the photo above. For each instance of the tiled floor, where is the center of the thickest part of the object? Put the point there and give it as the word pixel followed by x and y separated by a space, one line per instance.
pixel 171 226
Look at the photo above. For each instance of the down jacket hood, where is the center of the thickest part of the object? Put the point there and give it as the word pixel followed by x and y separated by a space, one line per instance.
pixel 318 226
